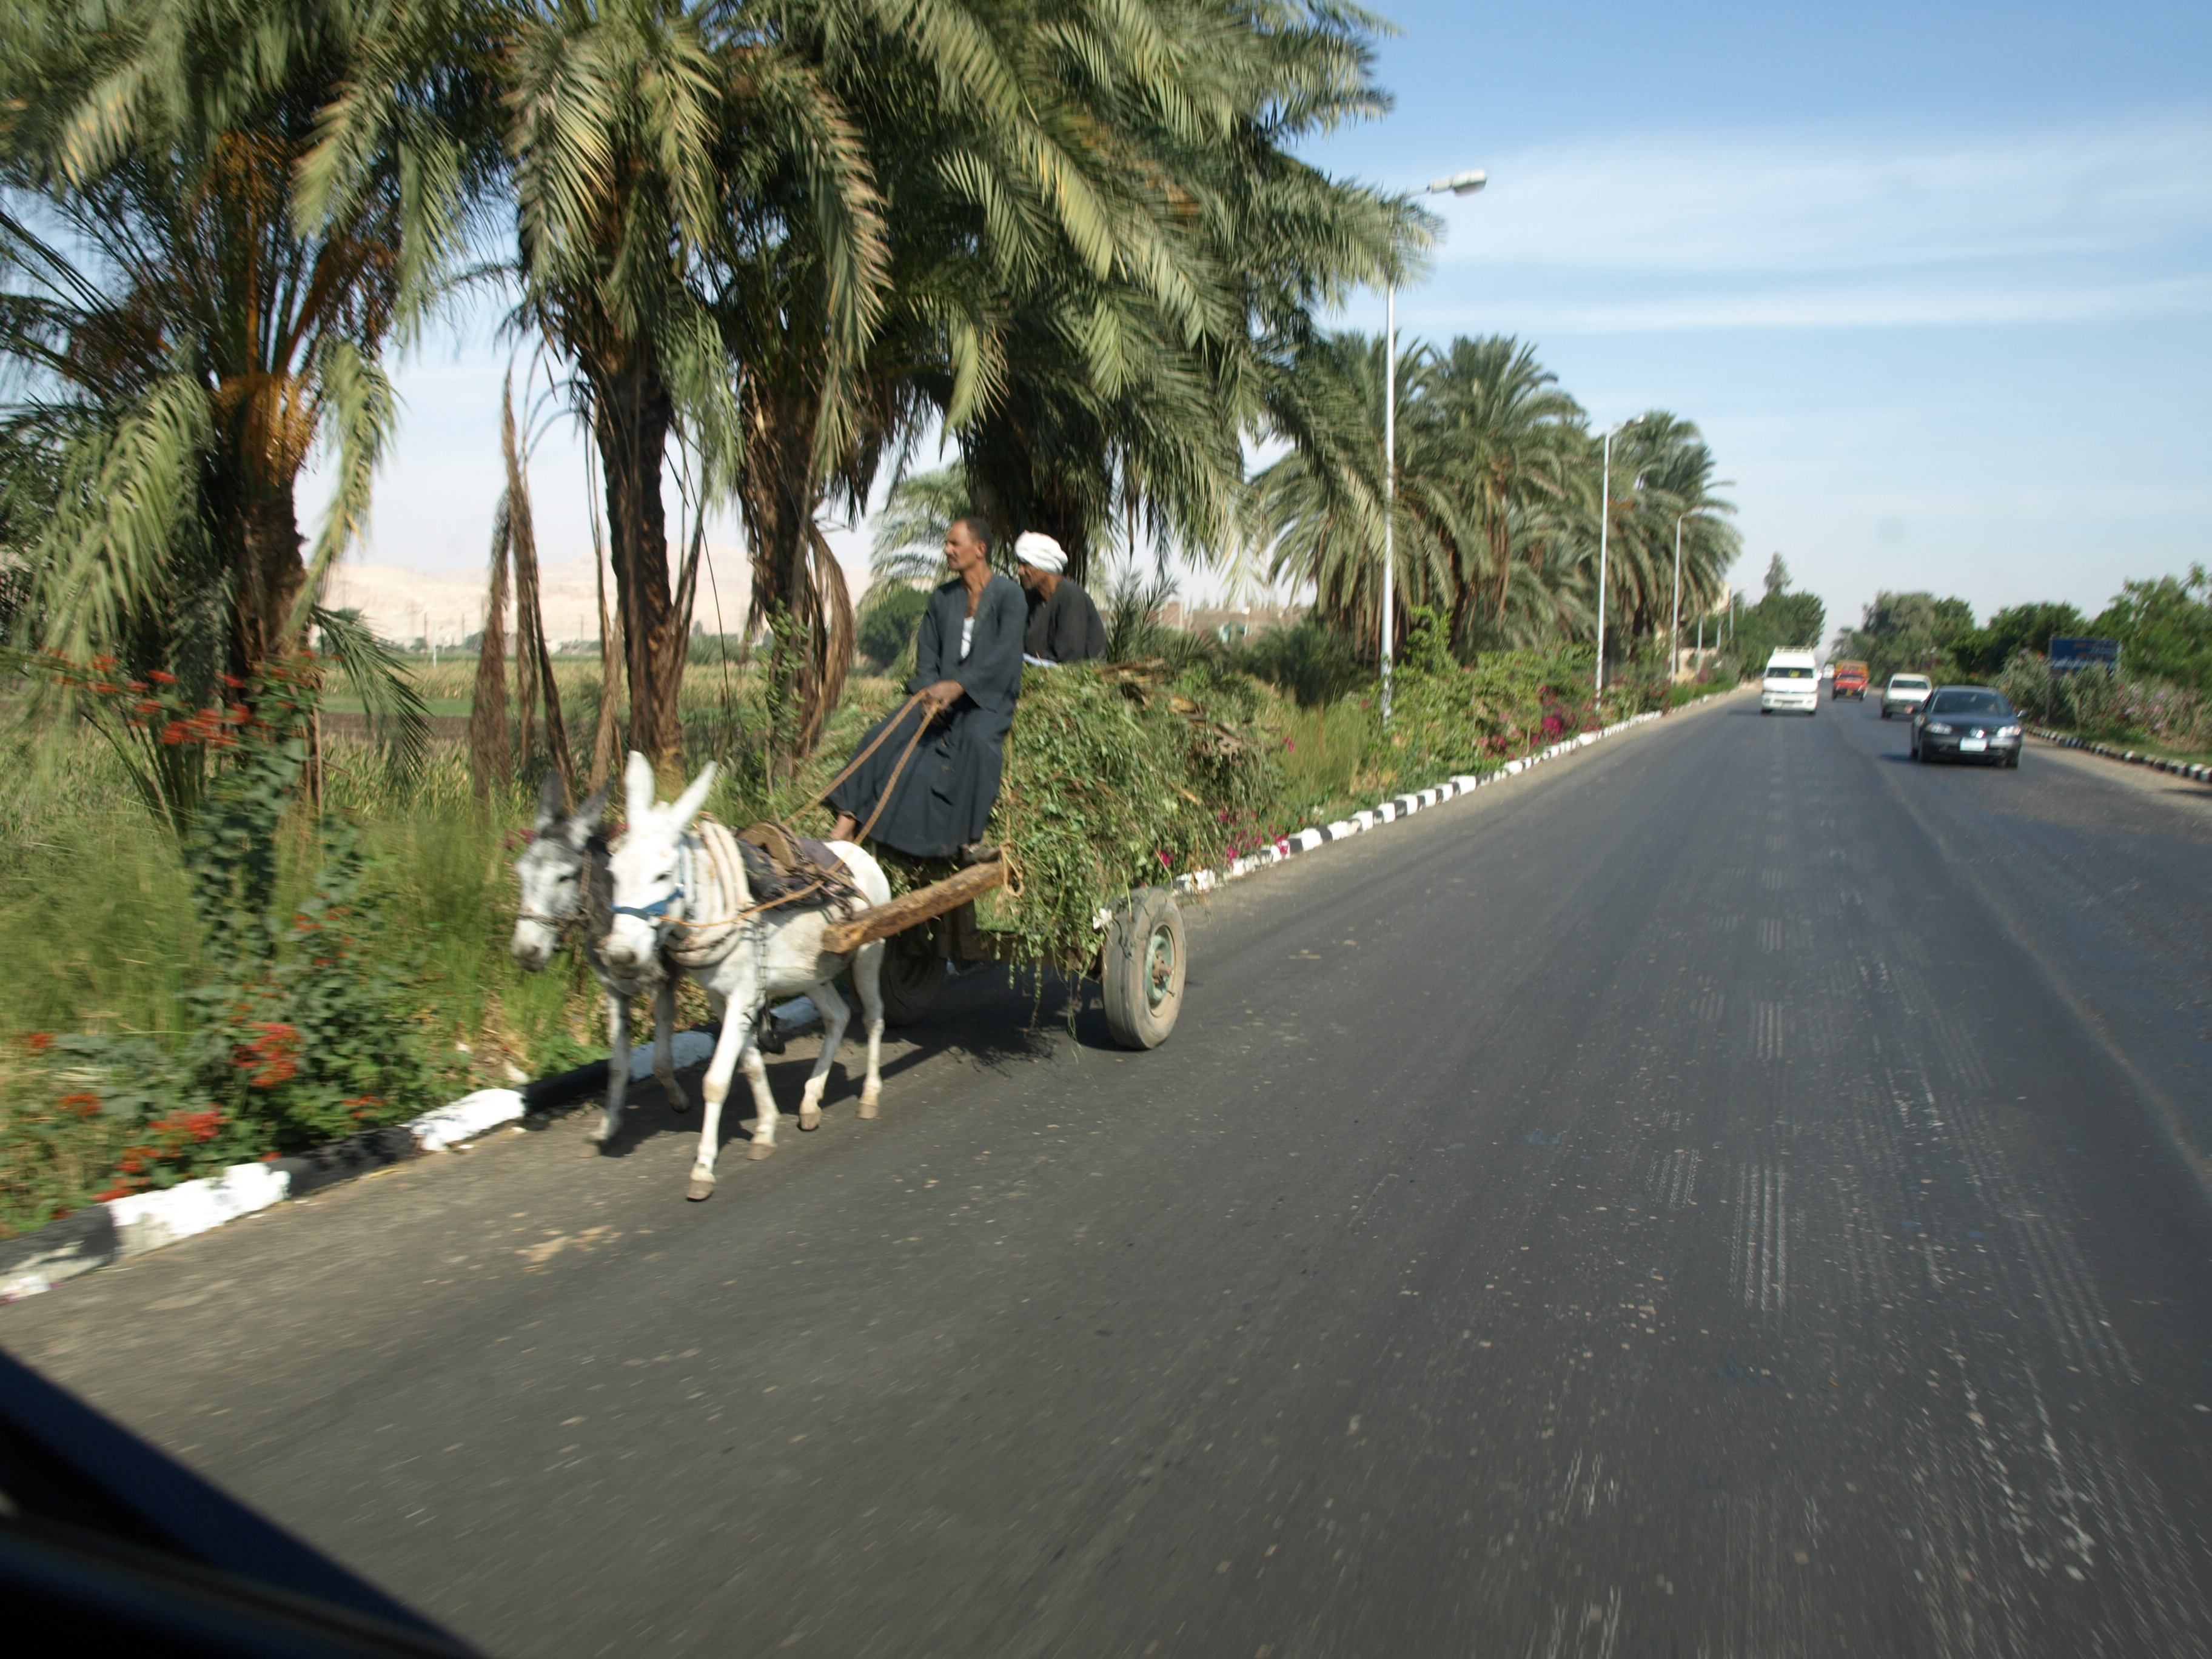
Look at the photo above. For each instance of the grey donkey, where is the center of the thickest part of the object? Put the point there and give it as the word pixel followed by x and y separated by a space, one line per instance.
pixel 563 874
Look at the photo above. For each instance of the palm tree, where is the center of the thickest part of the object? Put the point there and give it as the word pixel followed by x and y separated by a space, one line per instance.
pixel 182 347
pixel 618 133
pixel 1669 470
pixel 1323 503
pixel 1515 437
pixel 1059 296
pixel 1121 391
pixel 911 531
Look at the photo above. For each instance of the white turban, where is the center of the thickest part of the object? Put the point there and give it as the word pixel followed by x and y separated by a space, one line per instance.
pixel 1040 552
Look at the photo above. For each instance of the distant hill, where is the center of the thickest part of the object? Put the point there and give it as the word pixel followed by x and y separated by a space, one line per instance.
pixel 446 607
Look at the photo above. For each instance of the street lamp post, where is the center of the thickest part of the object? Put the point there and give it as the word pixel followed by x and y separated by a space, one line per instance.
pixel 1460 184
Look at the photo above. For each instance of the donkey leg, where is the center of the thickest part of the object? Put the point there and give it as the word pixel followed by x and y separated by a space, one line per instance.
pixel 756 1071
pixel 717 1086
pixel 868 983
pixel 664 1044
pixel 834 1016
pixel 617 1066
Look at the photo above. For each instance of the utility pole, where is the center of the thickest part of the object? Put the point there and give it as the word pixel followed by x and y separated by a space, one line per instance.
pixel 1460 184
pixel 1389 477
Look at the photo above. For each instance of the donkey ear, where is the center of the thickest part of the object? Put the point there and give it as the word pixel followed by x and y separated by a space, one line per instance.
pixel 688 803
pixel 637 787
pixel 550 800
pixel 584 822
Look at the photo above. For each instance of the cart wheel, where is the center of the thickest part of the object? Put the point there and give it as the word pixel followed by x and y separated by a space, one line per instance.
pixel 1142 969
pixel 910 983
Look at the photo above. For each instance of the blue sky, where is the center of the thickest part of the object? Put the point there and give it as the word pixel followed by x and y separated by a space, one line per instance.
pixel 1936 283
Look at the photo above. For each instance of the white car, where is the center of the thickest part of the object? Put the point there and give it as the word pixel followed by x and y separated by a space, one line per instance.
pixel 1905 694
pixel 1792 684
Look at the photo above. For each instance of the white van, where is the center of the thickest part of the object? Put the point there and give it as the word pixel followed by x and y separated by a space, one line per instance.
pixel 1792 685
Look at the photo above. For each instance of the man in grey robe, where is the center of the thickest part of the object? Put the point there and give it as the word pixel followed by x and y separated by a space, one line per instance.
pixel 1063 623
pixel 968 664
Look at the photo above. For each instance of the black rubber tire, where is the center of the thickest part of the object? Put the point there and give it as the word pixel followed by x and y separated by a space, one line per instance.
pixel 910 984
pixel 1143 967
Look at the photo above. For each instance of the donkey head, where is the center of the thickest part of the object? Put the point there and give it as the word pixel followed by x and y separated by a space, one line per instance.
pixel 648 894
pixel 551 870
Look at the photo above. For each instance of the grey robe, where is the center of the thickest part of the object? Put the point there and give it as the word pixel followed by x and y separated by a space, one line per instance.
pixel 944 797
pixel 1065 628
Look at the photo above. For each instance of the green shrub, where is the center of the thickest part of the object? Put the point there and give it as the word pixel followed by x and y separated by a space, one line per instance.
pixel 889 616
pixel 1313 664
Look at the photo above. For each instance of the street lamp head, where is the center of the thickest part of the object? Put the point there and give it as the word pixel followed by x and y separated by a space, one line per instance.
pixel 1460 184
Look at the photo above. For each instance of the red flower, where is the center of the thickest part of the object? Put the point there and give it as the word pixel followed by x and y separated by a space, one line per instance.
pixel 81 1104
pixel 38 1041
pixel 273 1057
pixel 161 677
pixel 234 682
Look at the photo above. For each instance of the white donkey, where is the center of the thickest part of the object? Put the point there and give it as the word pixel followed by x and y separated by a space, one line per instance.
pixel 563 872
pixel 682 894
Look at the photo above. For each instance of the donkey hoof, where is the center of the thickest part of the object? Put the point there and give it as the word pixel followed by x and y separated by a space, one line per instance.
pixel 869 1106
pixel 760 1149
pixel 701 1186
pixel 810 1117
pixel 678 1103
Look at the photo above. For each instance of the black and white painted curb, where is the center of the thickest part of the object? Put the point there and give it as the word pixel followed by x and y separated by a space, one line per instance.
pixel 125 1227
pixel 2157 762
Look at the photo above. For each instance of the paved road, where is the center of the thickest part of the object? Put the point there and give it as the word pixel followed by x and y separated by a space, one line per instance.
pixel 1657 1207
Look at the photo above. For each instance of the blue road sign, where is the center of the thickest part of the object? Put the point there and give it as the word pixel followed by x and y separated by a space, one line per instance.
pixel 2072 656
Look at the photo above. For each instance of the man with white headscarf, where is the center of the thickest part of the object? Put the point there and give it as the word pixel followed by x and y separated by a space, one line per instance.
pixel 1064 625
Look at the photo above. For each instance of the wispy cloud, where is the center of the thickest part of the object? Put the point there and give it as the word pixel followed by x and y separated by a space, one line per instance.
pixel 1841 229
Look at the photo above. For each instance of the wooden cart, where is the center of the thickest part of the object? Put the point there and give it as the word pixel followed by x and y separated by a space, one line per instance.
pixel 1139 964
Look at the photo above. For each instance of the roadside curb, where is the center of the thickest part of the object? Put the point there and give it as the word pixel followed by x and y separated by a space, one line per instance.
pixel 2189 769
pixel 121 1228
pixel 1399 807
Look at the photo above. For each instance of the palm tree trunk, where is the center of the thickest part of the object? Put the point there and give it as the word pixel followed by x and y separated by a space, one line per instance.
pixel 606 739
pixel 535 657
pixel 799 588
pixel 631 417
pixel 489 763
pixel 270 543
pixel 1060 516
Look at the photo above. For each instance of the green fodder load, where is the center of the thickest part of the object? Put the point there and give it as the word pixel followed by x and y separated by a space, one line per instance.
pixel 1115 780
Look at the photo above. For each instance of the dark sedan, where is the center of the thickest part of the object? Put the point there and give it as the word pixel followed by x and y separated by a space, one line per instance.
pixel 1966 722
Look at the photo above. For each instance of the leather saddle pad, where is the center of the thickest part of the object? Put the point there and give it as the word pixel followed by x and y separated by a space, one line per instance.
pixel 779 864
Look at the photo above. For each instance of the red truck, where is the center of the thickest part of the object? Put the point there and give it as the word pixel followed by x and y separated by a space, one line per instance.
pixel 1850 681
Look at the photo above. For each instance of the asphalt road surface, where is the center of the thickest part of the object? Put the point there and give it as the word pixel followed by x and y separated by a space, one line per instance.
pixel 1718 1195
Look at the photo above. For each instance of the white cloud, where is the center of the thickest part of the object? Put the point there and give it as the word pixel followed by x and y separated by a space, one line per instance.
pixel 1788 230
